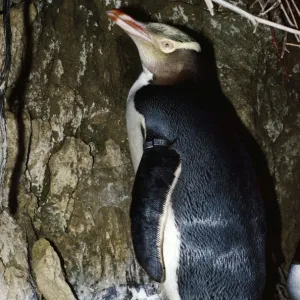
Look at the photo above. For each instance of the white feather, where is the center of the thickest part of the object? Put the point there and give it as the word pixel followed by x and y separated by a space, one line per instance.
pixel 171 247
pixel 293 282
pixel 135 120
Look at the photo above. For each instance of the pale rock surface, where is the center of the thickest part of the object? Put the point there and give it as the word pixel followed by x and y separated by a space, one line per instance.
pixel 48 272
pixel 16 282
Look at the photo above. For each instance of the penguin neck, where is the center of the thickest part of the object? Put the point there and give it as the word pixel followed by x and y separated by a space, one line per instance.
pixel 184 67
pixel 144 79
pixel 186 76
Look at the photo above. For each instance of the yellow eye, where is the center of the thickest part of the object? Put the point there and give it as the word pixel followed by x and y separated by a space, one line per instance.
pixel 167 46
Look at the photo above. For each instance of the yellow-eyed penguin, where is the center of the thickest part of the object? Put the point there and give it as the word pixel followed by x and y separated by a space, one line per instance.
pixel 197 217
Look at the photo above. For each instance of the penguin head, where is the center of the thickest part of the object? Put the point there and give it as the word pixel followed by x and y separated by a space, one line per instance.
pixel 168 53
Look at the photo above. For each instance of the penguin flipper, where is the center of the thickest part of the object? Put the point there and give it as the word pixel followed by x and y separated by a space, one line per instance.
pixel 153 180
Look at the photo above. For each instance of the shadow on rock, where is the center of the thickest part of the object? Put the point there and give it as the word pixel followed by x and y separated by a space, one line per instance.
pixel 16 106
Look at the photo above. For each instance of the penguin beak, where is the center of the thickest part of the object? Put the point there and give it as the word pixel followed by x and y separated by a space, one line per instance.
pixel 129 25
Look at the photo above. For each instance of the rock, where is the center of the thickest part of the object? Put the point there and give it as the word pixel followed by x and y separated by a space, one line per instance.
pixel 68 167
pixel 18 41
pixel 48 273
pixel 15 277
pixel 40 151
pixel 12 2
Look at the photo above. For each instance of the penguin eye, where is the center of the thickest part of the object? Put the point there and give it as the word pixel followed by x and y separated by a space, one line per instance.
pixel 167 46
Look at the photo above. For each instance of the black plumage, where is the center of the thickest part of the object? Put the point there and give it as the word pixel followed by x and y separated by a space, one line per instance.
pixel 216 201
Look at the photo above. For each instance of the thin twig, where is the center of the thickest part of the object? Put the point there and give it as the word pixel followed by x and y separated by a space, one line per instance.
pixel 260 4
pixel 275 5
pixel 255 28
pixel 253 19
pixel 294 45
pixel 296 8
pixel 252 5
pixel 283 45
pixel 293 17
pixel 274 38
pixel 280 59
pixel 292 14
pixel 263 5
pixel 286 15
pixel 210 6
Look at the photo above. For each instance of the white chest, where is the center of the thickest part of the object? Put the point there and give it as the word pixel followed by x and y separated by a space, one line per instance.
pixel 136 121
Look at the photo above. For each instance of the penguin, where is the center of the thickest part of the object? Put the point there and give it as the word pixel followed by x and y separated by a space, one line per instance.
pixel 293 280
pixel 197 215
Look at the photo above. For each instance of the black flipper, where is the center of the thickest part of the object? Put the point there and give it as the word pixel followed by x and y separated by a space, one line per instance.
pixel 153 180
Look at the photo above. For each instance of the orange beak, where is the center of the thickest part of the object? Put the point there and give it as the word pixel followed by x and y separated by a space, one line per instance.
pixel 129 25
